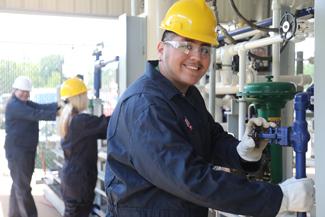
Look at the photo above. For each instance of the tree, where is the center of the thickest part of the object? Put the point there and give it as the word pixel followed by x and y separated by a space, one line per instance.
pixel 9 70
pixel 46 73
pixel 51 70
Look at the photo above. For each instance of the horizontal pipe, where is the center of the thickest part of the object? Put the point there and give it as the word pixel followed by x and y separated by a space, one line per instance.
pixel 263 23
pixel 224 89
pixel 299 80
pixel 247 34
pixel 231 50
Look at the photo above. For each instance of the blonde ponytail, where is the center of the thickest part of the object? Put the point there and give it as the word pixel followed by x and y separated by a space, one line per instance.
pixel 65 119
pixel 75 105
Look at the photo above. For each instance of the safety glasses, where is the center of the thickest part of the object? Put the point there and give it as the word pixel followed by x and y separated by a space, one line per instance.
pixel 187 47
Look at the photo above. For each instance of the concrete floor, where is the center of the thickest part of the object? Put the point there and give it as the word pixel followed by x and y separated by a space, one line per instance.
pixel 44 207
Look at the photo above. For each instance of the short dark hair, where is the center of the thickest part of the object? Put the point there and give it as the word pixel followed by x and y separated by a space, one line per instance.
pixel 168 35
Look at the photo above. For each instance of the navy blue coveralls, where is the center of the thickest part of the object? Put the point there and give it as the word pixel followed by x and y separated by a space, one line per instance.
pixel 21 141
pixel 79 172
pixel 161 153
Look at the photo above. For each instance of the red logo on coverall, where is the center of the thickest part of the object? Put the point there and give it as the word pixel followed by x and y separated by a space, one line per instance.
pixel 188 124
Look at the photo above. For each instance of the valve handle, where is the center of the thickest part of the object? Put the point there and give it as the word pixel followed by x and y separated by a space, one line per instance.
pixel 254 134
pixel 288 26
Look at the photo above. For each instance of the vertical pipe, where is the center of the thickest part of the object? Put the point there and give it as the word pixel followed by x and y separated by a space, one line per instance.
pixel 97 73
pixel 300 165
pixel 205 94
pixel 276 8
pixel 134 7
pixel 212 89
pixel 155 11
pixel 301 128
pixel 212 70
pixel 300 136
pixel 300 63
pixel 242 103
pixel 287 153
pixel 276 152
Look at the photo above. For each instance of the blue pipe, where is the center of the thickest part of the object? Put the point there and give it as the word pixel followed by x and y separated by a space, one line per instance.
pixel 305 12
pixel 300 135
pixel 263 23
pixel 98 72
pixel 266 22
pixel 97 75
pixel 297 136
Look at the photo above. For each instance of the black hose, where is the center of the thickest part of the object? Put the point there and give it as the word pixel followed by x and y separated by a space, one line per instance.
pixel 223 30
pixel 226 34
pixel 251 24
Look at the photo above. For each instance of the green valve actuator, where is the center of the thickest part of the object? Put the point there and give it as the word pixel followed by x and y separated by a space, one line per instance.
pixel 268 99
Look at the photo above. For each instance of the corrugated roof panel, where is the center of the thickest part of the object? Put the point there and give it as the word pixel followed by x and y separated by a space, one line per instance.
pixel 65 6
pixel 14 4
pixel 99 7
pixel 109 8
pixel 83 6
pixel 115 8
pixel 47 6
pixel 32 5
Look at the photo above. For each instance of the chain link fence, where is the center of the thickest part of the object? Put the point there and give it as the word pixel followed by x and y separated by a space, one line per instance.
pixel 46 75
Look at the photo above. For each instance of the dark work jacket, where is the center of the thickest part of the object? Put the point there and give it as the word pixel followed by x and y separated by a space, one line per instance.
pixel 161 153
pixel 22 123
pixel 79 172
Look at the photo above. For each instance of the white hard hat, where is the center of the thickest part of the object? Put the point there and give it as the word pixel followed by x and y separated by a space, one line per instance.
pixel 22 83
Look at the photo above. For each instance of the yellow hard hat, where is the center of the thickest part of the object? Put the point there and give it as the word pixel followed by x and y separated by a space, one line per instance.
pixel 72 87
pixel 192 19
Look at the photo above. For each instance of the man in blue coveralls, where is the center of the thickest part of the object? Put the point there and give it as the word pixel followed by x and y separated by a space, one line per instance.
pixel 22 117
pixel 163 143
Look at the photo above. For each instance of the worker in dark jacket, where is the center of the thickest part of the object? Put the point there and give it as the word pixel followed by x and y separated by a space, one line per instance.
pixel 163 143
pixel 79 133
pixel 22 117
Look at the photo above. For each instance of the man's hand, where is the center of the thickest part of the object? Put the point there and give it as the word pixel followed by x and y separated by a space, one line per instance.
pixel 247 149
pixel 298 195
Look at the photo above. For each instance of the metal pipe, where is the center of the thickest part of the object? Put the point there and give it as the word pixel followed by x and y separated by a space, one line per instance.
pixel 297 136
pixel 233 49
pixel 300 80
pixel 276 16
pixel 248 34
pixel 242 104
pixel 134 7
pixel 266 22
pixel 300 136
pixel 300 62
pixel 212 91
pixel 225 54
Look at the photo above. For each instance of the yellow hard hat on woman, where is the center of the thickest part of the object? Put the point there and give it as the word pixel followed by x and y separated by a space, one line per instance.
pixel 72 87
pixel 192 19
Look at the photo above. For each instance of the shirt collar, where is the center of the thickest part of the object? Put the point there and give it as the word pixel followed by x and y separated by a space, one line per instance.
pixel 165 85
